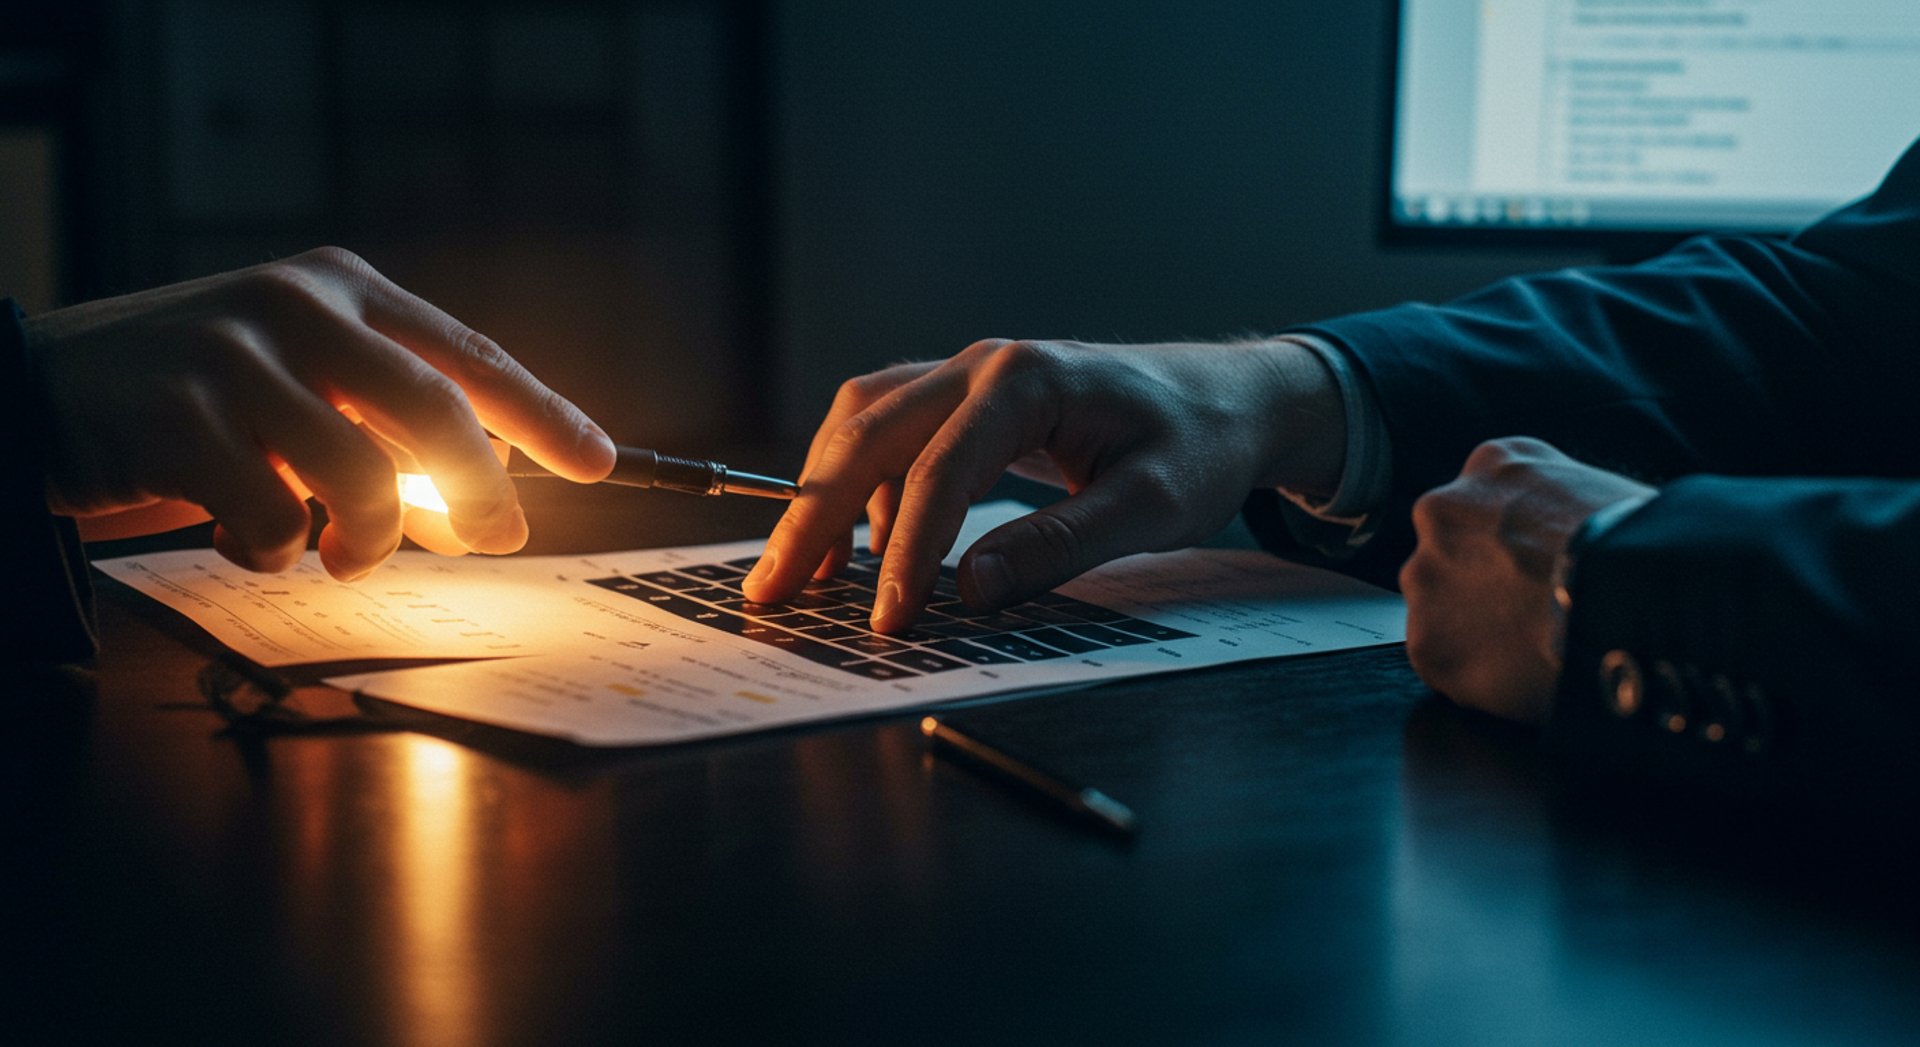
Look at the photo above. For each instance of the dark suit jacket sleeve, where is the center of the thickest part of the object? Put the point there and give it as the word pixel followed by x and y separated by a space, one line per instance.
pixel 1742 357
pixel 1753 636
pixel 48 586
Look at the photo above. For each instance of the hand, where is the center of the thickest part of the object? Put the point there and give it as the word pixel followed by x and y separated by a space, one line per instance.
pixel 231 396
pixel 1480 616
pixel 1157 445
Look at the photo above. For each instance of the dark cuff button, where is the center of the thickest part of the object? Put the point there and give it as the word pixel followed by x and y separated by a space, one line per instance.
pixel 1621 685
pixel 1722 720
pixel 1675 697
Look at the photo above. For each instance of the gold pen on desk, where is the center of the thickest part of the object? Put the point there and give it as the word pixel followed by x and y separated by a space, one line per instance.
pixel 1092 804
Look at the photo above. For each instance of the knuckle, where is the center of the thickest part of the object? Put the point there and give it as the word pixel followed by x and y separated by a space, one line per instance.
pixel 1055 538
pixel 288 286
pixel 480 358
pixel 337 259
pixel 852 439
pixel 983 349
pixel 1428 511
pixel 228 346
pixel 1027 355
pixel 936 475
pixel 856 393
pixel 201 411
pixel 559 411
pixel 440 409
pixel 1024 364
pixel 928 472
pixel 1527 446
pixel 1159 493
pixel 1490 456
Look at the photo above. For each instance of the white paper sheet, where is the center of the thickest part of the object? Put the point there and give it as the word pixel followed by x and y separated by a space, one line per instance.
pixel 592 656
pixel 417 605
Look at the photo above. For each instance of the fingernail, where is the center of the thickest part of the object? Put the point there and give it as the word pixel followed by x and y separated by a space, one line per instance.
pixel 595 448
pixel 513 536
pixel 763 567
pixel 885 600
pixel 992 579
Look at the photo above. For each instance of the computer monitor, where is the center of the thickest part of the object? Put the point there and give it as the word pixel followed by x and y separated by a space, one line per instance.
pixel 1579 122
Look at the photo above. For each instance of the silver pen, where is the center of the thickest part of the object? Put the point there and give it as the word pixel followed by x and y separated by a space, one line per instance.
pixel 1091 804
pixel 640 467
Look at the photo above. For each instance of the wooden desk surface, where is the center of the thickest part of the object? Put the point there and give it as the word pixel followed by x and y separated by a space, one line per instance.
pixel 1328 855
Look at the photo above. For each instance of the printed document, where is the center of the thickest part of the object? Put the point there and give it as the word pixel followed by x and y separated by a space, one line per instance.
pixel 656 646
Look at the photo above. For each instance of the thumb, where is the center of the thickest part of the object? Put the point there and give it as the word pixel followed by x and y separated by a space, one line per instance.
pixel 1112 517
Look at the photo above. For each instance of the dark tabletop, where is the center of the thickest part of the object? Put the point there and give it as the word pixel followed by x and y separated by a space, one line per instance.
pixel 1328 854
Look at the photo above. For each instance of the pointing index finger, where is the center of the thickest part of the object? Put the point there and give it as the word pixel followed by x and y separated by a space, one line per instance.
pixel 862 452
pixel 508 399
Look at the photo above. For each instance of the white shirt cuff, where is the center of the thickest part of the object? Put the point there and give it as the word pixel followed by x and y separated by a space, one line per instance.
pixel 1367 472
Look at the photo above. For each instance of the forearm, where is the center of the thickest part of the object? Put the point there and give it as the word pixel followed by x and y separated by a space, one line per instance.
pixel 1333 523
pixel 1731 355
pixel 1307 447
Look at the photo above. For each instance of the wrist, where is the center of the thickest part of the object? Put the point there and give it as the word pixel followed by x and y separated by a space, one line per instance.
pixel 1566 565
pixel 1303 417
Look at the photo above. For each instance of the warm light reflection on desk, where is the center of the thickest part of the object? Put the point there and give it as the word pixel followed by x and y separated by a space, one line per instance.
pixel 434 863
pixel 447 858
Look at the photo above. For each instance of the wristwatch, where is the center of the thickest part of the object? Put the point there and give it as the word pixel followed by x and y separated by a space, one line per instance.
pixel 1602 520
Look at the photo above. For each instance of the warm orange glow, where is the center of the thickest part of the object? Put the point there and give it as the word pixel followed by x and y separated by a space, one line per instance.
pixel 435 851
pixel 416 489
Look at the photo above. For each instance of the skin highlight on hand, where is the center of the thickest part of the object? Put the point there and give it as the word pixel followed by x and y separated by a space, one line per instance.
pixel 239 395
pixel 1156 446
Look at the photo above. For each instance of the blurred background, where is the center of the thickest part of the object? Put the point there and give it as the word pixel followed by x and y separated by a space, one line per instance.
pixel 696 218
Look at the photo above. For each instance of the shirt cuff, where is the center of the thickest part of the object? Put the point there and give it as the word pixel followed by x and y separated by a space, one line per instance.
pixel 1338 526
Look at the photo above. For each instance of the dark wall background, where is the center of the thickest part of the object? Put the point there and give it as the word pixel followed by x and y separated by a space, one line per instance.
pixel 1091 169
pixel 582 180
pixel 697 216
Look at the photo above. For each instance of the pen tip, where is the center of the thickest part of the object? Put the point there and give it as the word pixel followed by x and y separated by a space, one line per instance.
pixel 1115 814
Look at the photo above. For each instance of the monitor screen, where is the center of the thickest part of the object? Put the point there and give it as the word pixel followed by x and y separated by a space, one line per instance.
pixel 1559 117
